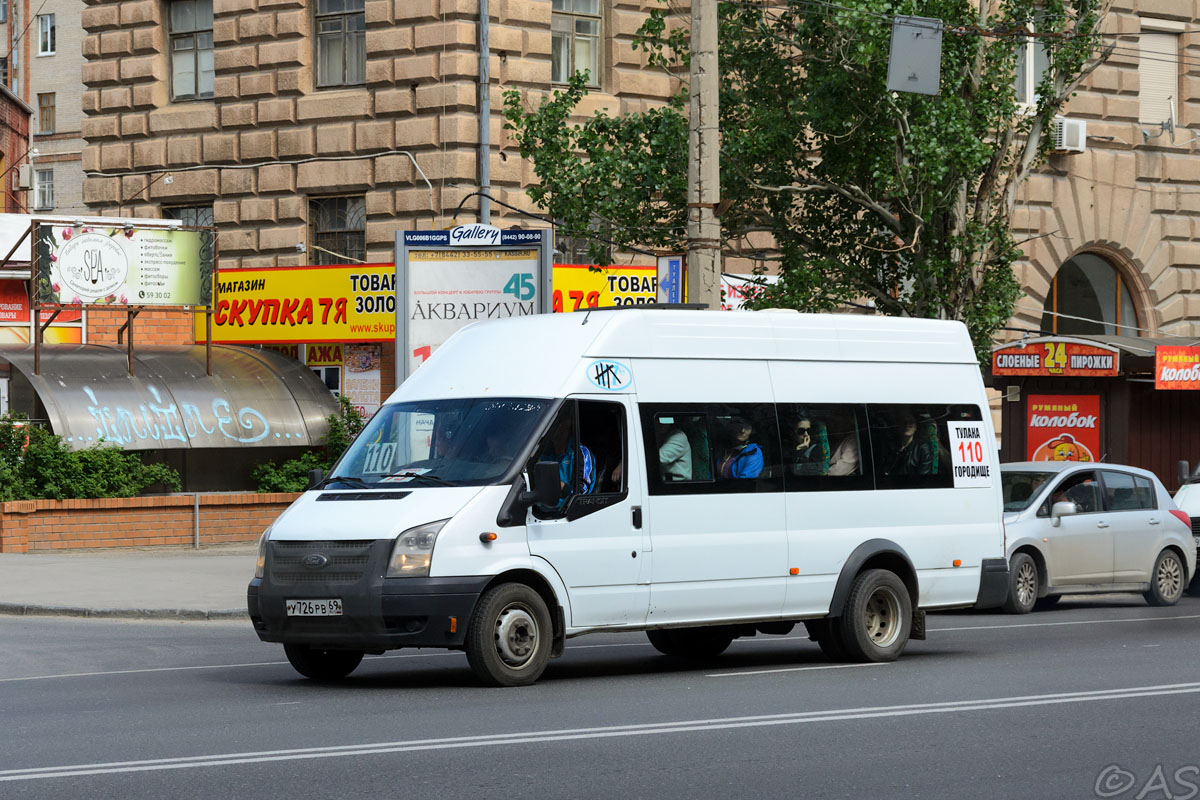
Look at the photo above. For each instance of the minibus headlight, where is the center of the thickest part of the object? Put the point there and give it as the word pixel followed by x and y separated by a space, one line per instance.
pixel 262 552
pixel 413 551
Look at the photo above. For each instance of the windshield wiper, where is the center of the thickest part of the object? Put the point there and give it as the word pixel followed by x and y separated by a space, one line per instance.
pixel 358 482
pixel 422 476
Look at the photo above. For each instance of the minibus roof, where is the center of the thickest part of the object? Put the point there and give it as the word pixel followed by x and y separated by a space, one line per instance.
pixel 539 356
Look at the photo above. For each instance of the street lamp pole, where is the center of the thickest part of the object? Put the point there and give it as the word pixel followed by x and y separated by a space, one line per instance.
pixel 704 171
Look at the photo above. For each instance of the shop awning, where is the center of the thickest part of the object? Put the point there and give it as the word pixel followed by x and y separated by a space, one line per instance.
pixel 254 398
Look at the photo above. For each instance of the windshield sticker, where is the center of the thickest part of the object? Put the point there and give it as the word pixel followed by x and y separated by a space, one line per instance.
pixel 409 474
pixel 379 457
pixel 611 376
pixel 968 455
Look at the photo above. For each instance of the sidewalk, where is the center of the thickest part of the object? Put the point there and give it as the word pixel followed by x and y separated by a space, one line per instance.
pixel 173 583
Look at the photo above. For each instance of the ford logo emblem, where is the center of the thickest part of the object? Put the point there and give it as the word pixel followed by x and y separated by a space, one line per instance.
pixel 314 561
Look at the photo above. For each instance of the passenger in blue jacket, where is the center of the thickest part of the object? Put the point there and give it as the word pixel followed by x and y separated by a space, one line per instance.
pixel 742 458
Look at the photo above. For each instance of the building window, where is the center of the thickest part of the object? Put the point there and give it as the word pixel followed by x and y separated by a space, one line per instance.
pixel 338 230
pixel 341 43
pixel 3 10
pixel 46 35
pixel 1033 62
pixel 1158 76
pixel 4 70
pixel 191 49
pixel 45 188
pixel 191 216
pixel 1089 296
pixel 46 112
pixel 575 40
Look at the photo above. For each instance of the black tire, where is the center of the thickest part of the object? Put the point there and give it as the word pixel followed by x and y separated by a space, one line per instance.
pixel 1024 583
pixel 1047 602
pixel 509 637
pixel 322 665
pixel 827 635
pixel 691 642
pixel 1166 579
pixel 877 619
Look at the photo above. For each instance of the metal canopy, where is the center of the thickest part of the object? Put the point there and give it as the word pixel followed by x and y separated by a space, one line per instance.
pixel 254 398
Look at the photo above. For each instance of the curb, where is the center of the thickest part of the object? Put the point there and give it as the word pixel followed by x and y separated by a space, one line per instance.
pixel 32 610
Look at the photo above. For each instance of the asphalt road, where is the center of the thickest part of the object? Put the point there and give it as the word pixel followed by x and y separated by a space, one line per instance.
pixel 1096 698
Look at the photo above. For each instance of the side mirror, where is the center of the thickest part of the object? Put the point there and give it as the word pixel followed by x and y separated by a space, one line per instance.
pixel 1063 508
pixel 1184 472
pixel 545 488
pixel 315 476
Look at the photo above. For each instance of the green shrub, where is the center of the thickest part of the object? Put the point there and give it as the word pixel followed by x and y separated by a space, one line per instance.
pixel 292 475
pixel 36 464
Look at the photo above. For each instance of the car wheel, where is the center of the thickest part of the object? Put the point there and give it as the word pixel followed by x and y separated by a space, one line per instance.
pixel 877 619
pixel 691 642
pixel 509 637
pixel 826 634
pixel 1022 585
pixel 322 665
pixel 1166 581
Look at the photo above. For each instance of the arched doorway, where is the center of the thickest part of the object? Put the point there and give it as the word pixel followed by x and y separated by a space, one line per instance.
pixel 1090 296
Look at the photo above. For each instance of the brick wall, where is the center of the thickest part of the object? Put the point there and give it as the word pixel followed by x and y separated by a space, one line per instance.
pixel 149 327
pixel 33 525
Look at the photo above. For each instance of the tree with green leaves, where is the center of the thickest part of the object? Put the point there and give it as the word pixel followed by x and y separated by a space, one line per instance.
pixel 853 191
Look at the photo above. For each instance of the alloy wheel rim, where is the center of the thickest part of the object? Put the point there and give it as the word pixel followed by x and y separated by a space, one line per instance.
pixel 516 636
pixel 882 617
pixel 1026 584
pixel 1170 578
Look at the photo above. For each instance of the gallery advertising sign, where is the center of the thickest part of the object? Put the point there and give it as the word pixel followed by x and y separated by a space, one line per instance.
pixel 90 265
pixel 1177 367
pixel 1064 358
pixel 289 305
pixel 449 279
pixel 1063 427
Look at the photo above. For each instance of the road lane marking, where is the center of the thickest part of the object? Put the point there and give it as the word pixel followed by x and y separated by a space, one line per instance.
pixel 1053 624
pixel 606 732
pixel 443 654
pixel 790 669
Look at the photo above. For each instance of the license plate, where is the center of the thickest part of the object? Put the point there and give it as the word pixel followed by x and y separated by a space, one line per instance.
pixel 314 608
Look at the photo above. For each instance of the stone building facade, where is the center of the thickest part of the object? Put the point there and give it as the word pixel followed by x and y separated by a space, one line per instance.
pixel 330 125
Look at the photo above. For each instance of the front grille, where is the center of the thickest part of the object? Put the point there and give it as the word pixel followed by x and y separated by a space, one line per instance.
pixel 347 562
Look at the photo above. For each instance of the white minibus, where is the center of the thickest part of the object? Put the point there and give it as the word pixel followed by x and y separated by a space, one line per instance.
pixel 697 475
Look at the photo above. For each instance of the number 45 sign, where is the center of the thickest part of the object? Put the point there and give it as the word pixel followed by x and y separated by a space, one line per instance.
pixel 969 455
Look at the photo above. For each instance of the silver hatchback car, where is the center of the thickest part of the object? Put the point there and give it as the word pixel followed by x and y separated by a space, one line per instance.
pixel 1075 528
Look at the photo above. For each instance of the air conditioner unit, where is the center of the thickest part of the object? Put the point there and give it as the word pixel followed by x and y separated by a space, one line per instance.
pixel 1070 135
pixel 24 176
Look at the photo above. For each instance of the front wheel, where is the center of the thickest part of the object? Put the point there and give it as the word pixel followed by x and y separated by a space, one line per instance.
pixel 322 665
pixel 1166 581
pixel 509 637
pixel 1022 585
pixel 877 619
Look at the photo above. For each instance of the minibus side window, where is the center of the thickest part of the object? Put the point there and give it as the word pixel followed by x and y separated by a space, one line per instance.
pixel 825 447
pixel 911 443
pixel 587 441
pixel 694 448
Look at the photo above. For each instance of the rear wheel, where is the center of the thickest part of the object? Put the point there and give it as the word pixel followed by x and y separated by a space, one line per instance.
pixel 877 619
pixel 690 642
pixel 322 665
pixel 509 637
pixel 1166 581
pixel 1023 585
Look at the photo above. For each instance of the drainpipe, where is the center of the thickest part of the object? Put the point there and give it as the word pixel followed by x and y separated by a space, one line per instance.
pixel 485 117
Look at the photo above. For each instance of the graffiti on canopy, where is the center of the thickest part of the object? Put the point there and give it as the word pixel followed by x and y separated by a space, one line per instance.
pixel 164 423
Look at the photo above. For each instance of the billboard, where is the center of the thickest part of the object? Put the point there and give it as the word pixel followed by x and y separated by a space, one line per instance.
pixel 1063 427
pixel 1177 367
pixel 580 286
pixel 90 265
pixel 1063 358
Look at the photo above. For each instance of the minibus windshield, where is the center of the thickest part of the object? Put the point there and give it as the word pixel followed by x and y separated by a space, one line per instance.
pixel 466 442
pixel 1022 488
